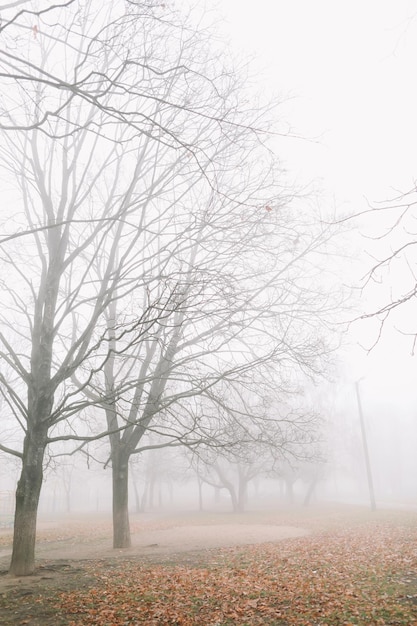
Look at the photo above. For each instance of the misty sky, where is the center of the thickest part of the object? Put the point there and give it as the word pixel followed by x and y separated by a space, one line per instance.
pixel 348 70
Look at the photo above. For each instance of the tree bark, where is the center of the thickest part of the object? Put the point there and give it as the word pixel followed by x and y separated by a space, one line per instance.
pixel 121 527
pixel 27 501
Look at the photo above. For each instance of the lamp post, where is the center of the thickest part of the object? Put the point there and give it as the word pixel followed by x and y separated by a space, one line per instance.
pixel 365 449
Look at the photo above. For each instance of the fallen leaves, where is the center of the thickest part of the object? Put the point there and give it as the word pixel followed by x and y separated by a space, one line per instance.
pixel 338 577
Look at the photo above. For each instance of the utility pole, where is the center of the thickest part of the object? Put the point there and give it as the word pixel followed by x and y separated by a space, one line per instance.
pixel 365 449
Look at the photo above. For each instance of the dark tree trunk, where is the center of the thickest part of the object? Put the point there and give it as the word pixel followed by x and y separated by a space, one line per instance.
pixel 121 527
pixel 27 501
pixel 40 402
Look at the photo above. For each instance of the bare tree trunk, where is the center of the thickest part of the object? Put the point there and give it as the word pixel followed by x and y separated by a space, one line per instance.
pixel 233 496
pixel 242 494
pixel 27 501
pixel 243 482
pixel 137 497
pixel 310 490
pixel 228 485
pixel 216 495
pixel 200 494
pixel 151 492
pixel 366 450
pixel 68 501
pixel 144 498
pixel 289 490
pixel 121 527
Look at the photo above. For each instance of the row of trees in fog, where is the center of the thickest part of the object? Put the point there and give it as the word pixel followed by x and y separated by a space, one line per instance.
pixel 162 286
pixel 171 479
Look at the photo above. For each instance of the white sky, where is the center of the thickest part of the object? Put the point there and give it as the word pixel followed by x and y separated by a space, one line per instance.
pixel 350 67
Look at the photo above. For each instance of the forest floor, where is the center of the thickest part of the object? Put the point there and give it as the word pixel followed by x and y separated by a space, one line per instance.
pixel 336 565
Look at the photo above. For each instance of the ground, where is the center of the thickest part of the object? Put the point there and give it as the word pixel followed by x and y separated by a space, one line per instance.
pixel 337 565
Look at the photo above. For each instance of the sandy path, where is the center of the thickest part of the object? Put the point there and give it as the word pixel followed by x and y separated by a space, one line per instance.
pixel 179 539
pixel 58 560
pixel 164 542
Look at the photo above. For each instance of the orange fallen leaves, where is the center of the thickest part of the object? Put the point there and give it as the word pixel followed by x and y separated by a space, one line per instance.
pixel 342 578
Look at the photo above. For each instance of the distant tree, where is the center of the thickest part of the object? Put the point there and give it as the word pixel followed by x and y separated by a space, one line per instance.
pixel 214 339
pixel 259 442
pixel 233 476
pixel 158 468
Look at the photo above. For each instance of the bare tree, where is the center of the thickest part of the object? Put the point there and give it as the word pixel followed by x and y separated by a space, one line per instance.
pixel 53 304
pixel 78 194
pixel 99 64
pixel 258 442
pixel 224 473
pixel 160 259
pixel 224 319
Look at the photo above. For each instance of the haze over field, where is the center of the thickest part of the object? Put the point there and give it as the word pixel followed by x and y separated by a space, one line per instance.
pixel 207 250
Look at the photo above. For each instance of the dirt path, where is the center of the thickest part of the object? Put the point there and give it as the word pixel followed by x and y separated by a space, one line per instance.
pixel 182 540
pixel 176 540
pixel 164 542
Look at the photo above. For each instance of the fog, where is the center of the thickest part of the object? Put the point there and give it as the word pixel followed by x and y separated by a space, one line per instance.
pixel 208 282
pixel 164 482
